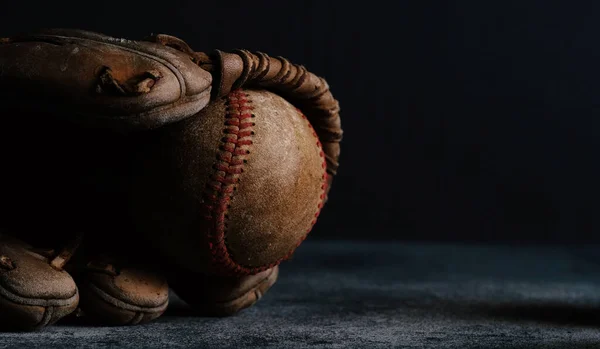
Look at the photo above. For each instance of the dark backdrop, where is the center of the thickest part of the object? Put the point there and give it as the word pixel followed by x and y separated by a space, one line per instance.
pixel 464 120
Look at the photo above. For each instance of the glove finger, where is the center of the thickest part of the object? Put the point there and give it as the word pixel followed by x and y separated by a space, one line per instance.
pixel 32 293
pixel 113 295
pixel 222 296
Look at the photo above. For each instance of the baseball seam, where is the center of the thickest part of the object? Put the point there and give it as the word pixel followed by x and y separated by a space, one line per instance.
pixel 231 157
pixel 323 179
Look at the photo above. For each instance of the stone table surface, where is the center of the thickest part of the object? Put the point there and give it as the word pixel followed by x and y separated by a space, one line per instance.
pixel 337 294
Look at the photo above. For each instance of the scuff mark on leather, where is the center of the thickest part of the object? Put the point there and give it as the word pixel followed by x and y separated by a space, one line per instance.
pixel 137 85
pixel 6 263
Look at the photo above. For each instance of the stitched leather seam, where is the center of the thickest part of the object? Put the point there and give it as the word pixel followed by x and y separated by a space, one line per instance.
pixel 229 166
pixel 223 183
pixel 324 183
pixel 321 197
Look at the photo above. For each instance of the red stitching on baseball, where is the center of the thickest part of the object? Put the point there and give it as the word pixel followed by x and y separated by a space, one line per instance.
pixel 217 198
pixel 219 191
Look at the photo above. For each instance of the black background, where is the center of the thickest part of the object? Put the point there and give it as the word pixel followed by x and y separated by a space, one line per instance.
pixel 464 120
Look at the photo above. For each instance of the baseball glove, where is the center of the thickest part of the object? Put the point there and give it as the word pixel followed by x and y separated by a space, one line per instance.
pixel 142 164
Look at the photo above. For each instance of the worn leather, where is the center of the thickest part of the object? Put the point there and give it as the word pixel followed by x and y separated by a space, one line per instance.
pixel 208 194
pixel 295 83
pixel 121 296
pixel 305 90
pixel 100 80
pixel 221 296
pixel 280 191
pixel 32 293
pixel 179 203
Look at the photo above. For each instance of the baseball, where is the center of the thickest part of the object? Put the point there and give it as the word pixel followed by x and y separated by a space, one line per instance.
pixel 234 189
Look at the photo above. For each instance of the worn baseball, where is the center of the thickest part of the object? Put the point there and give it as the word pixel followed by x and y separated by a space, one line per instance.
pixel 234 189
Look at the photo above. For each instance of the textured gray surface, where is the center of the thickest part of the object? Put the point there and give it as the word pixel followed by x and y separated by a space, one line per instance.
pixel 360 295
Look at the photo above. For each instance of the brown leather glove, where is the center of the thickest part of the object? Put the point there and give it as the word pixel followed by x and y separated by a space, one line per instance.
pixel 103 81
pixel 142 91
